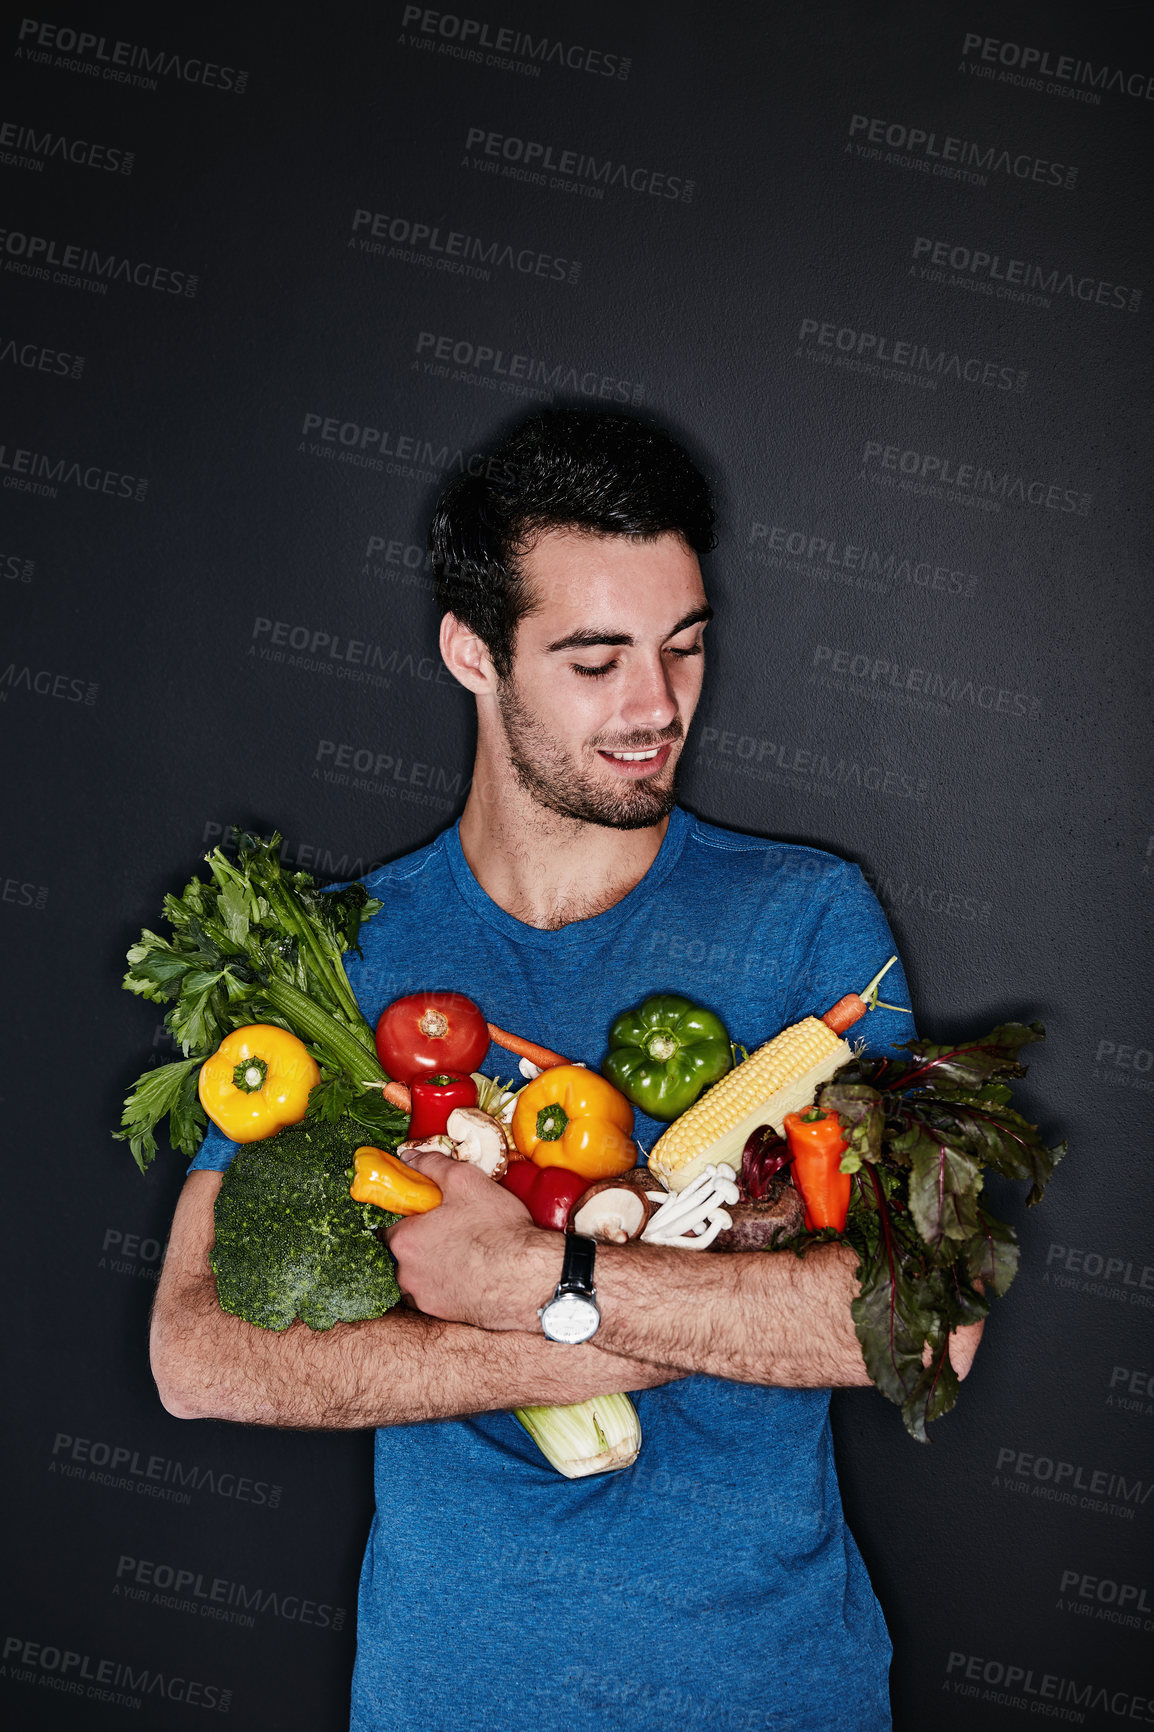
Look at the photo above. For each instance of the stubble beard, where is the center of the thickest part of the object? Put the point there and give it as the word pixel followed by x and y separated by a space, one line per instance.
pixel 553 780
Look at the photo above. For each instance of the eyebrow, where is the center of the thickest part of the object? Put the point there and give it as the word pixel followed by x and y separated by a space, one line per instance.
pixel 589 635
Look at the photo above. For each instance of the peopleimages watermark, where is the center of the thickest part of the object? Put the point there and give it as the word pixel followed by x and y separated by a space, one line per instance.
pixel 970 483
pixel 27 471
pixel 902 359
pixel 315 857
pixel 1076 1270
pixel 1056 74
pixel 76 266
pixel 1131 1391
pixel 980 271
pixel 808 769
pixel 453 250
pixel 39 358
pixel 319 650
pixel 1101 1490
pixel 396 561
pixel 46 683
pixel 1052 1696
pixel 833 558
pixel 120 1467
pixel 119 61
pixel 121 1683
pixel 505 48
pixel 1126 1604
pixel 29 148
pixel 566 168
pixel 949 157
pixel 181 1589
pixel 385 451
pixel 1124 1064
pixel 886 677
pixel 897 895
pixel 459 360
pixel 22 893
pixel 136 1254
pixel 17 568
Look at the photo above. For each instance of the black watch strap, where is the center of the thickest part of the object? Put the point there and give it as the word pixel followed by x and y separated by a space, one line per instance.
pixel 577 1265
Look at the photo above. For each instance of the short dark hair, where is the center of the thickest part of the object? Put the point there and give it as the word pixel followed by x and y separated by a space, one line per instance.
pixel 593 470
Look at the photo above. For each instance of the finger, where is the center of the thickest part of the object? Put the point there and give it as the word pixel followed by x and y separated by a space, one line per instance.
pixel 430 1163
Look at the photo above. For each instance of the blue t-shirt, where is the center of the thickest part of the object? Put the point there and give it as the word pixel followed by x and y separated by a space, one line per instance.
pixel 714 1583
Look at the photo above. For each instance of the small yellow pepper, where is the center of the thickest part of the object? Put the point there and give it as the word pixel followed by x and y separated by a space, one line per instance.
pixel 388 1182
pixel 257 1081
pixel 571 1117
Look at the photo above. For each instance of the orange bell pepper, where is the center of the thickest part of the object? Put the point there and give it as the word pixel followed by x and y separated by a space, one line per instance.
pixel 390 1183
pixel 571 1117
pixel 817 1145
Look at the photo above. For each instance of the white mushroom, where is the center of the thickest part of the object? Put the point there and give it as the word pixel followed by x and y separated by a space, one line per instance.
pixel 692 1218
pixel 479 1139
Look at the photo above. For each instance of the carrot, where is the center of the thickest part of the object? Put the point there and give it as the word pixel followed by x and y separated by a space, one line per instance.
pixel 854 1005
pixel 845 1012
pixel 398 1095
pixel 541 1056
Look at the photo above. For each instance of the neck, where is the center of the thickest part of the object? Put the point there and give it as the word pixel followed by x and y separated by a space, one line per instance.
pixel 538 866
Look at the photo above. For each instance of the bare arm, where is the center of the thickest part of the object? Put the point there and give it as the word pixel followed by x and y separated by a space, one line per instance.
pixel 392 1371
pixel 767 1317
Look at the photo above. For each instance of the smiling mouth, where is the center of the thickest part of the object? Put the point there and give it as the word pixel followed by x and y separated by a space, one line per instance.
pixel 638 763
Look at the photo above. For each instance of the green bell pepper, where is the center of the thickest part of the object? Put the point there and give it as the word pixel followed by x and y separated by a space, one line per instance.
pixel 665 1052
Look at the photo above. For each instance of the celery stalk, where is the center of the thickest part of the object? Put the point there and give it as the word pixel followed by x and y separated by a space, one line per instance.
pixel 601 1435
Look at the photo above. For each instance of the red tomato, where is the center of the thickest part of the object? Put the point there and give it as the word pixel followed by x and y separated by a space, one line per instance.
pixel 429 1032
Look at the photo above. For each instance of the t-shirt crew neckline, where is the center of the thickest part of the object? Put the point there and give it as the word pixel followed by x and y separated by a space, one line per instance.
pixel 578 931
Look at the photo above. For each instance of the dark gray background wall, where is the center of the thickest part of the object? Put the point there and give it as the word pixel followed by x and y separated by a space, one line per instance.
pixel 888 269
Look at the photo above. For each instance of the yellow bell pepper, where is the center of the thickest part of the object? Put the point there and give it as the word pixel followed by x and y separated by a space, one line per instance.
pixel 571 1117
pixel 391 1184
pixel 257 1081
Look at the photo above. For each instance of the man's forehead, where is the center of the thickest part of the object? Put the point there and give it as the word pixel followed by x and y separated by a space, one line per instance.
pixel 575 572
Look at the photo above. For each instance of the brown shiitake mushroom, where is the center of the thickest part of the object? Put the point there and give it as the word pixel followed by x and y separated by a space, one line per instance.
pixel 758 1226
pixel 613 1211
pixel 480 1139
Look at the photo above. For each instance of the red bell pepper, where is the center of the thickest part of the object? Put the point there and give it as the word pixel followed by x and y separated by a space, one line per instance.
pixel 817 1144
pixel 548 1193
pixel 434 1098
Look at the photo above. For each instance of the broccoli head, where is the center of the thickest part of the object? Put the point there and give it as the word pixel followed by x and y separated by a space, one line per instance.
pixel 290 1241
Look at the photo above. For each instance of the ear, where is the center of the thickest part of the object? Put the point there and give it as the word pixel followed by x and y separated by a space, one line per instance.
pixel 466 657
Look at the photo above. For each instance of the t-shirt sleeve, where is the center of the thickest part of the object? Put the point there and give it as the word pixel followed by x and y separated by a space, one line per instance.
pixel 841 950
pixel 214 1154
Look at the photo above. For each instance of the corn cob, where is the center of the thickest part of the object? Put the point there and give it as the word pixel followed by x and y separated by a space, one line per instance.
pixel 780 1077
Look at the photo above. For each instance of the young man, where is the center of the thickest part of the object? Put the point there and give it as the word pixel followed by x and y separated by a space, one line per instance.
pixel 715 1581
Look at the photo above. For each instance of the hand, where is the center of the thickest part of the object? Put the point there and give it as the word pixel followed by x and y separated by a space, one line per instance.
pixel 477 1258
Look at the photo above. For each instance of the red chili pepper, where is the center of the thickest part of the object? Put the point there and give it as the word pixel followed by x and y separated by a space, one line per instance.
pixel 548 1193
pixel 434 1098
pixel 818 1145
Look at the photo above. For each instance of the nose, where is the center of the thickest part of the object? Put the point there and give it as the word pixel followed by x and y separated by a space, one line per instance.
pixel 649 701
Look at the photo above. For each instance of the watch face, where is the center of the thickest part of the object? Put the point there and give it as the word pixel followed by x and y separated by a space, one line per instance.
pixel 570 1317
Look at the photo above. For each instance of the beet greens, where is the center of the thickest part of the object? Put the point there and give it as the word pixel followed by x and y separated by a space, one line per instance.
pixel 920 1135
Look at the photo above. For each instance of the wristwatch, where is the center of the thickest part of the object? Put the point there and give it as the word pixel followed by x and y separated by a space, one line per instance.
pixel 572 1314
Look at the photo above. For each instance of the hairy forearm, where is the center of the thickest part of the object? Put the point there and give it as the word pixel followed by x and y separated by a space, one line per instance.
pixel 391 1371
pixel 771 1318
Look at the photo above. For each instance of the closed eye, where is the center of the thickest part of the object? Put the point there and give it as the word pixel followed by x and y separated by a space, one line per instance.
pixel 593 673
